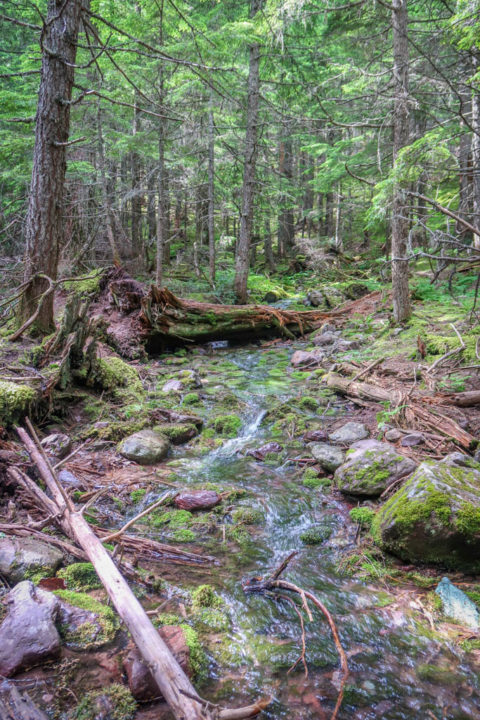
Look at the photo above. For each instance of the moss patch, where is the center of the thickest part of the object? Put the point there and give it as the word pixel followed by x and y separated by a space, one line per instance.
pixel 80 576
pixel 121 703
pixel 15 401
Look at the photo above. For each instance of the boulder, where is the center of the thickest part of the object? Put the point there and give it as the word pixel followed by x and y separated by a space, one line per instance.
pixel 370 468
pixel 412 439
pixel 326 338
pixel 350 433
pixel 28 635
pixel 172 385
pixel 140 680
pixel 328 457
pixel 197 500
pixel 20 558
pixel 456 605
pixel 393 435
pixel 435 516
pixel 145 447
pixel 177 433
pixel 315 436
pixel 57 444
pixel 262 452
pixel 302 358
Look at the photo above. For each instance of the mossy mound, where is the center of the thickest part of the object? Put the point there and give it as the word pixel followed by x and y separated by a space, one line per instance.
pixel 370 468
pixel 177 433
pixel 15 401
pixel 435 516
pixel 247 516
pixel 204 596
pixel 95 632
pixel 363 516
pixel 80 576
pixel 227 425
pixel 116 701
pixel 116 377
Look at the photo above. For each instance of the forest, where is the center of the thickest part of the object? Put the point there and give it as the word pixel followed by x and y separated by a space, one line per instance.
pixel 239 359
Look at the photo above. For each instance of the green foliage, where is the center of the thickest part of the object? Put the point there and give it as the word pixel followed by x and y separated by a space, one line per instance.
pixel 363 516
pixel 120 700
pixel 80 576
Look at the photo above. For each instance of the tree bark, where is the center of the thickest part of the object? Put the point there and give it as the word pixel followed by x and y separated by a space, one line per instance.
pixel 136 204
pixel 161 173
pixel 401 295
pixel 211 195
pixel 246 214
pixel 44 223
pixel 476 151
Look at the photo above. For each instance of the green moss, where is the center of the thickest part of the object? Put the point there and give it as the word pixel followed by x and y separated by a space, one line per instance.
pixel 227 425
pixel 192 398
pixel 173 518
pixel 212 620
pixel 437 675
pixel 247 516
pixel 184 535
pixel 112 374
pixel 467 519
pixel 89 285
pixel 80 576
pixel 198 659
pixel 90 634
pixel 166 619
pixel 363 516
pixel 205 596
pixel 137 495
pixel 315 535
pixel 121 702
pixel 15 401
pixel 177 433
pixel 308 403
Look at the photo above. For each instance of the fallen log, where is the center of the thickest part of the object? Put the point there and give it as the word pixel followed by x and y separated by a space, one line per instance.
pixel 461 399
pixel 169 320
pixel 414 407
pixel 172 682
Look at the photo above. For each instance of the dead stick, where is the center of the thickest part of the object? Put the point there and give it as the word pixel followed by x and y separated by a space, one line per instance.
pixel 131 522
pixel 39 457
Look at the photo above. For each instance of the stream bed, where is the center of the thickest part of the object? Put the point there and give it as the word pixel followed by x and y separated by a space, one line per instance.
pixel 401 667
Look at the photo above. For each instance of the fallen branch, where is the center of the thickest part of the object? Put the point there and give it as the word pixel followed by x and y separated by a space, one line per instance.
pixel 272 583
pixel 172 682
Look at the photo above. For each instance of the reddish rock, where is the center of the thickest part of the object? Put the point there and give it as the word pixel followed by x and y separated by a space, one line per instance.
pixel 261 452
pixel 315 436
pixel 140 680
pixel 197 500
pixel 28 635
pixel 301 358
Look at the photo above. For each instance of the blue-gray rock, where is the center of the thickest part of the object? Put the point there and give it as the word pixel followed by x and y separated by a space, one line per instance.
pixel 456 605
pixel 370 468
pixel 328 457
pixel 349 433
pixel 20 558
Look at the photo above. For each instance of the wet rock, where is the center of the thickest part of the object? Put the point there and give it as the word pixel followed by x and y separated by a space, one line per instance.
pixel 145 447
pixel 326 338
pixel 68 479
pixel 21 558
pixel 393 435
pixel 315 436
pixel 177 433
pixel 140 680
pixel 456 605
pixel 435 516
pixel 197 500
pixel 346 345
pixel 302 358
pixel 261 452
pixel 350 433
pixel 370 468
pixel 81 629
pixel 315 298
pixel 328 456
pixel 412 439
pixel 28 635
pixel 173 385
pixel 57 444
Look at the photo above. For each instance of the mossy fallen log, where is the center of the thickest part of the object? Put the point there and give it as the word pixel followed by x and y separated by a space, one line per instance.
pixel 169 320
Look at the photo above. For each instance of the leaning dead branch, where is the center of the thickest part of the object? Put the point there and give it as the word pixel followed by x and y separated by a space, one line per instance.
pixel 172 682
pixel 270 585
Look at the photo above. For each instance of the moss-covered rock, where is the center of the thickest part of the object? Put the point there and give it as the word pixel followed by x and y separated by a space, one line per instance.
pixel 435 516
pixel 15 401
pixel 112 373
pixel 177 433
pixel 94 630
pixel 227 425
pixel 247 516
pixel 205 596
pixel 370 468
pixel 80 576
pixel 113 703
pixel 27 559
pixel 145 447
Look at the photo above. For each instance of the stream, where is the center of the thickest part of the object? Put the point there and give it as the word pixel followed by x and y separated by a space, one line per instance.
pixel 400 667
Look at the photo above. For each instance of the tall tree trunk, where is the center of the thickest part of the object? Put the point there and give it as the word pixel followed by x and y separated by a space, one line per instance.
pixel 476 151
pixel 267 244
pixel 44 223
pixel 286 224
pixel 136 205
pixel 246 214
pixel 166 219
pixel 107 206
pixel 161 171
pixel 211 195
pixel 401 295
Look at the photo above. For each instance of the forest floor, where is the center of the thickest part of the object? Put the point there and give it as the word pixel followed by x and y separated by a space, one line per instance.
pixel 241 421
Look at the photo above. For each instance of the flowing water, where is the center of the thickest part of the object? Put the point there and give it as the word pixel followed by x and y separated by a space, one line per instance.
pixel 400 667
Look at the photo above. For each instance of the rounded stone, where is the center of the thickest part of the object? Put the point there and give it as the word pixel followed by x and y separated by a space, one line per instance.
pixel 145 447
